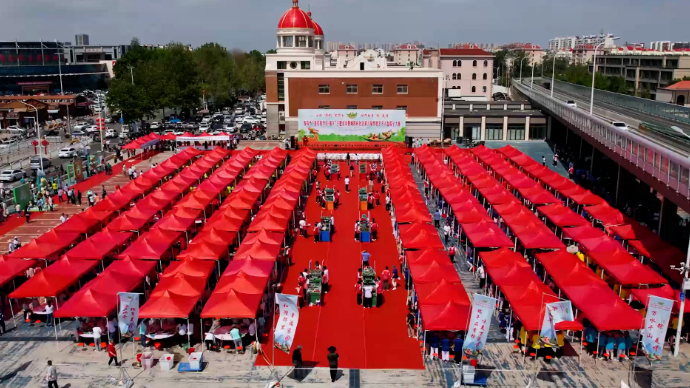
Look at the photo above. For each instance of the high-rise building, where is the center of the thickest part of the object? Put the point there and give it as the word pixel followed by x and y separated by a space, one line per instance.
pixel 570 42
pixel 81 40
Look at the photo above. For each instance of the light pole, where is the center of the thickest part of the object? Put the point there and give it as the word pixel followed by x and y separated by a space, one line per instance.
pixel 62 89
pixel 521 68
pixel 553 73
pixel 38 133
pixel 531 83
pixel 594 73
pixel 683 271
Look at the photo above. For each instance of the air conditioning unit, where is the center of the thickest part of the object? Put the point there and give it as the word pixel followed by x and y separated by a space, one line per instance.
pixel 281 115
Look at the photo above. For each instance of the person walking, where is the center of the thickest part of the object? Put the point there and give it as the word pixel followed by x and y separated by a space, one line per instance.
pixel 79 197
pixel 27 214
pixel 410 325
pixel 51 376
pixel 2 323
pixel 297 362
pixel 112 353
pixel 333 362
pixel 437 218
pixel 451 253
pixel 446 232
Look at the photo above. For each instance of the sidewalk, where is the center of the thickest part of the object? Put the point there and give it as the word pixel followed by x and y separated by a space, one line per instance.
pixel 42 222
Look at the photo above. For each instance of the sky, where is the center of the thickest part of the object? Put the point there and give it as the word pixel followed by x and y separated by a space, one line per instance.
pixel 251 24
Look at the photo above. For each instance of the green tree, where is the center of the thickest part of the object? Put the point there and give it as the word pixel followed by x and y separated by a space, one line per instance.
pixel 217 71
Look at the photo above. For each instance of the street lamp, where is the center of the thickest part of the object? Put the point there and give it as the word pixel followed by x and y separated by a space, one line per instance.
pixel 521 68
pixel 531 83
pixel 553 73
pixel 38 133
pixel 594 73
pixel 62 89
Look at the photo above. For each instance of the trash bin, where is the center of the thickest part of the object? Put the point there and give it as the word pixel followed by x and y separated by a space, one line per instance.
pixel 147 360
pixel 167 361
pixel 195 360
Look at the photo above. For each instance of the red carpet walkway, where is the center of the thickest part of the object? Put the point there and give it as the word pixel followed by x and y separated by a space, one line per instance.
pixel 373 338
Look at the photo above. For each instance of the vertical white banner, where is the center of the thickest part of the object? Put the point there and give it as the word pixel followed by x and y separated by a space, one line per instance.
pixel 286 326
pixel 128 316
pixel 554 313
pixel 655 325
pixel 482 310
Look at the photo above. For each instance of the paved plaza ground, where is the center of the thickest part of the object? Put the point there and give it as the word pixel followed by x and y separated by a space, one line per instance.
pixel 25 349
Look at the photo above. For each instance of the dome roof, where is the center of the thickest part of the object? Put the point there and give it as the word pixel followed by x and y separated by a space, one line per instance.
pixel 295 18
pixel 317 28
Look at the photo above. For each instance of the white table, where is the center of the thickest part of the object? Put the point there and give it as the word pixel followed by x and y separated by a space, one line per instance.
pixel 159 336
pixel 90 335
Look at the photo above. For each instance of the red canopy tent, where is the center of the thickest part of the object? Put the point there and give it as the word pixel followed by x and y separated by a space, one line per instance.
pixel 98 298
pixel 426 256
pixel 583 232
pixel 152 245
pixel 53 280
pixel 270 221
pixel 98 246
pixel 232 304
pixel 538 195
pixel 126 222
pixel 486 234
pixel 434 273
pixel 84 222
pixel 228 220
pixel 451 316
pixel 257 251
pixel 420 235
pixel 414 213
pixel 607 214
pixel 562 216
pixel 581 196
pixel 168 304
pixel 624 267
pixel 250 266
pixel 440 293
pixel 632 231
pixel 174 223
pixel 539 237
pixel 662 254
pixel 11 268
pixel 202 250
pixel 36 250
pixel 263 237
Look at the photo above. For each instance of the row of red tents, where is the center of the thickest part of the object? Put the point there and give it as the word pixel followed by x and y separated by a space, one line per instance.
pixel 240 289
pixel 645 242
pixel 182 284
pixel 50 245
pixel 510 272
pixel 442 299
pixel 153 138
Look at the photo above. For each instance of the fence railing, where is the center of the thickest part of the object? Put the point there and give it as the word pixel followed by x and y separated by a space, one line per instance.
pixel 662 163
pixel 678 113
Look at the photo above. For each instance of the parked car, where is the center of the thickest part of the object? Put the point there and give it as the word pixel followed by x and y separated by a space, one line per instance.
pixel 155 125
pixel 11 175
pixel 110 133
pixel 78 134
pixel 91 129
pixel 68 152
pixel 8 143
pixel 36 162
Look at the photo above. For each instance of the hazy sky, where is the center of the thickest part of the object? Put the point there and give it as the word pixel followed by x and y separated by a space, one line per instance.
pixel 249 24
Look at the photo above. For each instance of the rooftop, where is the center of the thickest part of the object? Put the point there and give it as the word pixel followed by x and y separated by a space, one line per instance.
pixel 682 85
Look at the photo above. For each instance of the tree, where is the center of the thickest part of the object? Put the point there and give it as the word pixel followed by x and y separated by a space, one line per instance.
pixel 676 80
pixel 272 51
pixel 217 71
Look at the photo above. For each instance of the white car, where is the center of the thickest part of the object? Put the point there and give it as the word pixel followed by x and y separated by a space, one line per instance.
pixel 206 120
pixel 123 134
pixel 228 128
pixel 239 111
pixel 110 133
pixel 203 127
pixel 621 125
pixel 7 143
pixel 571 103
pixel 155 125
pixel 11 175
pixel 68 152
pixel 91 129
pixel 251 120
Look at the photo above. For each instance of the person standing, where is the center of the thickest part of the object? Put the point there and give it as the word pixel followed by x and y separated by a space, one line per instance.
pixel 49 313
pixel 142 333
pixel 326 279
pixel 112 353
pixel 51 376
pixel 347 183
pixel 386 279
pixel 63 218
pixel 112 328
pixel 543 160
pixel 446 232
pixel 368 296
pixel 437 218
pixel 103 192
pixel 482 276
pixel 2 323
pixel 79 197
pixel 97 334
pixel 374 229
pixel 18 210
pixel 352 169
pixel 237 339
pixel 297 362
pixel 410 325
pixel 27 214
pixel 451 253
pixel 333 362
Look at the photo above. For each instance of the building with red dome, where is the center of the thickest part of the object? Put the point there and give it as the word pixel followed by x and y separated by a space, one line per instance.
pixel 301 75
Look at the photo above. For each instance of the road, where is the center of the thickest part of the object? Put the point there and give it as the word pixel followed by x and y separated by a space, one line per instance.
pixel 612 113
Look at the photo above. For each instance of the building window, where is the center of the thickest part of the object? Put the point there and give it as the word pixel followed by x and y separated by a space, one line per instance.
pixel 377 89
pixel 351 107
pixel 484 89
pixel 474 75
pixel 486 63
pixel 281 87
pixel 351 89
pixel 474 89
pixel 494 131
pixel 377 107
pixel 401 107
pixel 282 65
pixel 287 41
pixel 311 41
pixel 474 63
pixel 459 75
pixel 324 89
pixel 402 89
pixel 459 63
pixel 455 63
pixel 484 76
pixel 537 132
pixel 324 107
pixel 301 41
pixel 306 65
pixel 454 76
pixel 516 132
